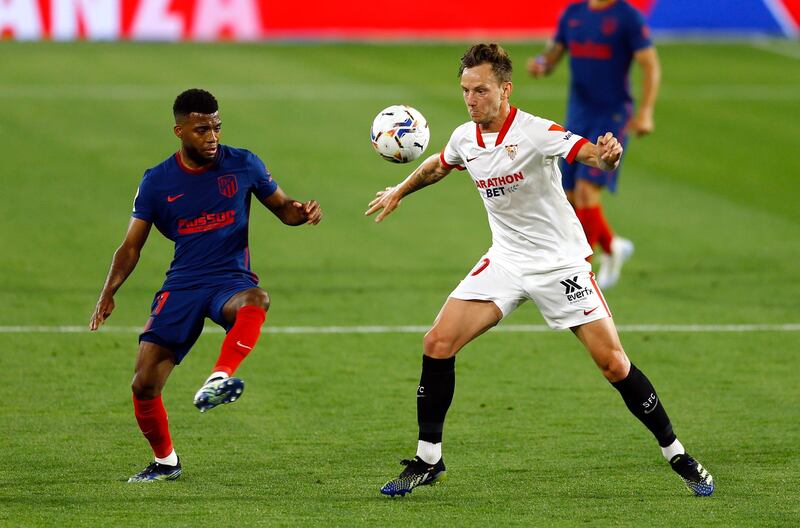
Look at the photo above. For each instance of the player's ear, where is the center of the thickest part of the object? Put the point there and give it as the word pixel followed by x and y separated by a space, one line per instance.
pixel 177 130
pixel 506 89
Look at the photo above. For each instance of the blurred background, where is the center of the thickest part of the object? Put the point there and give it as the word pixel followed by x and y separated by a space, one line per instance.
pixel 171 20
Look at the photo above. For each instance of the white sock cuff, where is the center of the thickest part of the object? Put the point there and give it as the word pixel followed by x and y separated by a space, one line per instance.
pixel 169 460
pixel 217 374
pixel 675 448
pixel 428 452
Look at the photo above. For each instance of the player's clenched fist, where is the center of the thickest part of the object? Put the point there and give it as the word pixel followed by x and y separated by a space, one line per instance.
pixel 609 151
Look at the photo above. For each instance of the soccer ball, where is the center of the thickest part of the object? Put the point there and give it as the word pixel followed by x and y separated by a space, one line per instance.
pixel 399 134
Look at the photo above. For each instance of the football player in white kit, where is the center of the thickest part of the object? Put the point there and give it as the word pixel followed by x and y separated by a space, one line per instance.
pixel 538 252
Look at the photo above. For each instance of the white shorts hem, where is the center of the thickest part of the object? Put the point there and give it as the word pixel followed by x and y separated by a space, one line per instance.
pixel 470 297
pixel 576 323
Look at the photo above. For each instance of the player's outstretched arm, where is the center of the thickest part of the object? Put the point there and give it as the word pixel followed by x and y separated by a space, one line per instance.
pixel 544 63
pixel 604 155
pixel 125 259
pixel 290 211
pixel 642 123
pixel 429 172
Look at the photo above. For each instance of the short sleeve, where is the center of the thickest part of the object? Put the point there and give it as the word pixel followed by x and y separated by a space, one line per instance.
pixel 554 140
pixel 263 184
pixel 143 202
pixel 638 32
pixel 450 157
pixel 561 30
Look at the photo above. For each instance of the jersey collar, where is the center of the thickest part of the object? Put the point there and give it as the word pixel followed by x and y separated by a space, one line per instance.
pixel 201 170
pixel 503 130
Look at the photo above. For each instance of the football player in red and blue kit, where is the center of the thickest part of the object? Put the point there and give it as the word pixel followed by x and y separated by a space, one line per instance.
pixel 200 199
pixel 602 38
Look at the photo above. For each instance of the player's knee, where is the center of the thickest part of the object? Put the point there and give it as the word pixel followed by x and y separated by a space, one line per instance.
pixel 438 345
pixel 617 367
pixel 586 194
pixel 257 298
pixel 145 389
pixel 263 299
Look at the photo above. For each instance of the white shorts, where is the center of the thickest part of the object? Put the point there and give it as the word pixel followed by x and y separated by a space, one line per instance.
pixel 566 297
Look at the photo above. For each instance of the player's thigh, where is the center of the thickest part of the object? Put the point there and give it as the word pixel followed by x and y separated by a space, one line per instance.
pixel 495 279
pixel 587 193
pixel 602 341
pixel 458 323
pixel 229 299
pixel 490 291
pixel 176 320
pixel 568 296
pixel 154 363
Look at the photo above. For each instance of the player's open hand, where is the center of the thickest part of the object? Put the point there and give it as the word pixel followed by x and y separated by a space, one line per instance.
pixel 641 124
pixel 105 305
pixel 537 67
pixel 387 199
pixel 311 210
pixel 609 152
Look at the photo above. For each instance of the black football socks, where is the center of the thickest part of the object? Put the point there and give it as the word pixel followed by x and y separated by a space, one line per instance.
pixel 642 400
pixel 434 395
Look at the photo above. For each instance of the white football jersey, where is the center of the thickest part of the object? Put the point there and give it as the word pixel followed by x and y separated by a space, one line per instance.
pixel 516 173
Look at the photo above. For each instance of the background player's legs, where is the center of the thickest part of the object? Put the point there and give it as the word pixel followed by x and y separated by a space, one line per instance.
pixel 601 340
pixel 247 311
pixel 154 364
pixel 589 210
pixel 588 184
pixel 458 323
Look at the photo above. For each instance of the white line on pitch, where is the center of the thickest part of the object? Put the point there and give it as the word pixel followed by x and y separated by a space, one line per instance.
pixel 417 329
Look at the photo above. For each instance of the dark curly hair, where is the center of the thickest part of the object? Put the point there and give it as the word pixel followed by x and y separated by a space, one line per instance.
pixel 194 100
pixel 493 54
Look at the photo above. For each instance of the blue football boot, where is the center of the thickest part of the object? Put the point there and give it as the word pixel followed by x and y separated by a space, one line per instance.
pixel 155 472
pixel 417 473
pixel 695 476
pixel 218 391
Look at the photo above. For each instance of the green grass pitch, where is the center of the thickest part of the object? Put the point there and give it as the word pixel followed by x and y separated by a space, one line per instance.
pixel 535 435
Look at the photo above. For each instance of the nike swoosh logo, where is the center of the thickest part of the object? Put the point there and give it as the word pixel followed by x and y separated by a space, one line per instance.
pixel 239 343
pixel 171 199
pixel 587 312
pixel 470 159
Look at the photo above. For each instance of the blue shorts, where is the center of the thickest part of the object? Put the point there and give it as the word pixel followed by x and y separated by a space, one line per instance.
pixel 592 128
pixel 177 316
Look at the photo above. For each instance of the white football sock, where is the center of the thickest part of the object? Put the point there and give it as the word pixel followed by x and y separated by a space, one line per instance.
pixel 218 374
pixel 428 452
pixel 169 460
pixel 675 448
